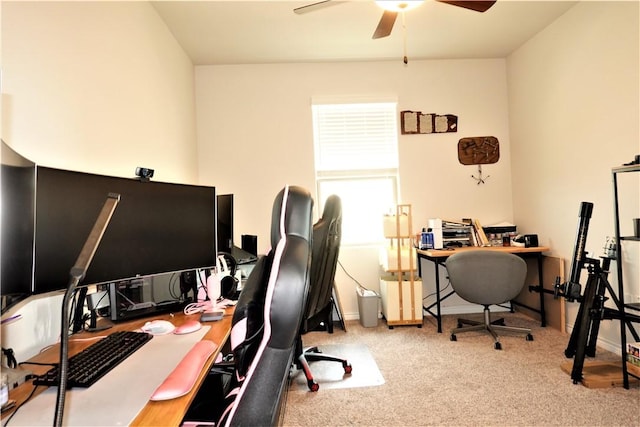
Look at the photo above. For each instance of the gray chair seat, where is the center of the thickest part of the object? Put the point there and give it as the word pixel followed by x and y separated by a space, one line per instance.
pixel 487 278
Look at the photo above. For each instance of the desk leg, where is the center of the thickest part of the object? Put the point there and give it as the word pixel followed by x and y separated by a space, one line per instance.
pixel 543 318
pixel 439 298
pixel 438 314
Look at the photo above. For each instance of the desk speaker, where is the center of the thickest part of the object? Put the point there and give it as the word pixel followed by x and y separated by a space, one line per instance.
pixel 530 240
pixel 250 244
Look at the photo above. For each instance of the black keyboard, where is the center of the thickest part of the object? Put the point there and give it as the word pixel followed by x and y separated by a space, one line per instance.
pixel 92 363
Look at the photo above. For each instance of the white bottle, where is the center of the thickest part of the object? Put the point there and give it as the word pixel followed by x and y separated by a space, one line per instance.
pixel 435 225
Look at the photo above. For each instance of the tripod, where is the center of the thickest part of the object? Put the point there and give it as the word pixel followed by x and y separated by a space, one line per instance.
pixel 591 311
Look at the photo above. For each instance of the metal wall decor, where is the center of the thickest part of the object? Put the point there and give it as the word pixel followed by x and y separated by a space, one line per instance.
pixel 479 150
pixel 414 122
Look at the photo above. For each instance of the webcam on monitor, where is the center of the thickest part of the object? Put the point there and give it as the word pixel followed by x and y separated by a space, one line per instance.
pixel 145 174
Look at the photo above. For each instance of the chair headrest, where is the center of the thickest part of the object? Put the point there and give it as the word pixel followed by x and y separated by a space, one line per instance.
pixel 297 200
pixel 332 207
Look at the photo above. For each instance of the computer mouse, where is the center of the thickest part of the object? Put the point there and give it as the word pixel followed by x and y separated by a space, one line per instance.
pixel 158 327
pixel 188 327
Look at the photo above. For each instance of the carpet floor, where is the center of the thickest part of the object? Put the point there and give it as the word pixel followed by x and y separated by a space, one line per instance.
pixel 432 381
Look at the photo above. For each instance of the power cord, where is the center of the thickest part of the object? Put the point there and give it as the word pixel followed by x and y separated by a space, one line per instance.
pixel 351 277
pixel 6 422
pixel 11 358
pixel 441 290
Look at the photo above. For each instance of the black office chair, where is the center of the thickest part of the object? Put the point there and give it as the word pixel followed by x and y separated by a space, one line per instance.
pixel 487 278
pixel 327 232
pixel 268 314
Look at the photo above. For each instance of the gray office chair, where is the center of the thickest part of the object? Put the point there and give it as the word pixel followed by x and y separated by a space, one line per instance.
pixel 487 278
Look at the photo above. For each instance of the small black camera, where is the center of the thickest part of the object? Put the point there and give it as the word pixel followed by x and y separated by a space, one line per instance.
pixel 145 174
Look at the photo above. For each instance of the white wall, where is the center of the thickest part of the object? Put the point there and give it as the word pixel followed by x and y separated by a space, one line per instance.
pixel 255 135
pixel 101 87
pixel 574 113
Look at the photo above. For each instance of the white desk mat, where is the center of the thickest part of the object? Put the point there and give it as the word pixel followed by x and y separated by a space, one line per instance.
pixel 118 397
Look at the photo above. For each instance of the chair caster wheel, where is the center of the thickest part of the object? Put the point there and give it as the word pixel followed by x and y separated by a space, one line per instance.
pixel 453 337
pixel 347 367
pixel 313 386
pixel 497 346
pixel 529 337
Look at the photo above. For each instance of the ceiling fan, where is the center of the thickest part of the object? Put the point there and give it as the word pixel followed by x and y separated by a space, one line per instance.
pixel 392 8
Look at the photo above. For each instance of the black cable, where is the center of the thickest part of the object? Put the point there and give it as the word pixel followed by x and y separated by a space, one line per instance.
pixel 11 358
pixel 6 422
pixel 350 276
pixel 80 296
pixel 441 290
pixel 172 285
pixel 39 363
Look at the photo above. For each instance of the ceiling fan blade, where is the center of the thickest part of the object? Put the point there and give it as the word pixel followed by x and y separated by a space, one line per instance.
pixel 386 24
pixel 478 6
pixel 315 6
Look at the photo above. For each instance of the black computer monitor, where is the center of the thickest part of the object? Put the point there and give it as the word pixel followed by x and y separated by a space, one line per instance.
pixel 156 228
pixel 17 227
pixel 225 223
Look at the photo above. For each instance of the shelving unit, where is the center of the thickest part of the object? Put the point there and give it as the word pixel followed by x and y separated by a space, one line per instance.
pixel 401 291
pixel 627 368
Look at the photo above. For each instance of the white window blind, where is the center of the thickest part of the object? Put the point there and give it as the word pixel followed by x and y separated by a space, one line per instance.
pixel 356 157
pixel 355 136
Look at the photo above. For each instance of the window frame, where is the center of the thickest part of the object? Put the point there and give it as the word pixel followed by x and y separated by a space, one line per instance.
pixel 332 176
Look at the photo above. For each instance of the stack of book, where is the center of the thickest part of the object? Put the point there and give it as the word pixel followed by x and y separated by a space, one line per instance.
pixel 633 358
pixel 467 232
pixel 457 234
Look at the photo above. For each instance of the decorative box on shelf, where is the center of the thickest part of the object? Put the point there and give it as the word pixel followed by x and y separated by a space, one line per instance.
pixel 400 290
pixel 401 301
pixel 398 225
pixel 390 255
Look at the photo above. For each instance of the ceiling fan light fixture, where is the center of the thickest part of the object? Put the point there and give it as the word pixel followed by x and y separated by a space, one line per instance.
pixel 399 5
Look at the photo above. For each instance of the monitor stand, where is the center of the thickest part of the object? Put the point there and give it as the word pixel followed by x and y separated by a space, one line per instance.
pixel 242 256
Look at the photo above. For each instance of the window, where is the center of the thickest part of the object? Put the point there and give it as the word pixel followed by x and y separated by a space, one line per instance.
pixel 356 158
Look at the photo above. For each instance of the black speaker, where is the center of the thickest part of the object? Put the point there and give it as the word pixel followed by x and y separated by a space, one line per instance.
pixel 250 244
pixel 530 240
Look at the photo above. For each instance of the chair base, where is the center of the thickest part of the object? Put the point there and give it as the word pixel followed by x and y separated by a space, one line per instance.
pixel 313 354
pixel 489 326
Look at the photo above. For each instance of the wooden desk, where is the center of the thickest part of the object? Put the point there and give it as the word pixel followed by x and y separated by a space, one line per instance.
pixel 165 413
pixel 439 256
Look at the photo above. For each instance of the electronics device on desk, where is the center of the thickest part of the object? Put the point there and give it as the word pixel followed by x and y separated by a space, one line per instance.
pixel 135 298
pixel 211 315
pixel 224 215
pixel 91 364
pixel 250 244
pixel 98 305
pixel 160 227
pixel 226 242
pixel 17 181
pixel 526 240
